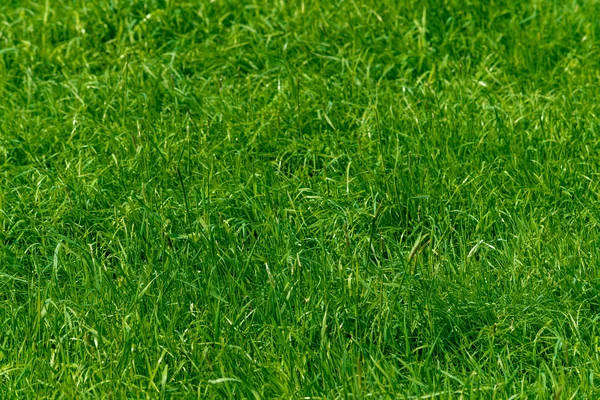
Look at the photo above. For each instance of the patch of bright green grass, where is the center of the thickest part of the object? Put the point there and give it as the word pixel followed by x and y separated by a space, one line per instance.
pixel 266 199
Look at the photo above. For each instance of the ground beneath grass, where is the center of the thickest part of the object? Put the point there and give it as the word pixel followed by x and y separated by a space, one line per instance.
pixel 299 199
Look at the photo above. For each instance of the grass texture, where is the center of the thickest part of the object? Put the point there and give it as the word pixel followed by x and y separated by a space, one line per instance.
pixel 299 199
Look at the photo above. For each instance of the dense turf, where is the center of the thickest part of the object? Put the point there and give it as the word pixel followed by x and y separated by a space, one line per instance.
pixel 299 199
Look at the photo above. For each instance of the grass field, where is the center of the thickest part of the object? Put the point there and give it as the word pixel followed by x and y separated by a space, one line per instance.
pixel 299 199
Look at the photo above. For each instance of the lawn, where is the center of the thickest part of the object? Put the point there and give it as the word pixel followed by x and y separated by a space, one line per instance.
pixel 299 199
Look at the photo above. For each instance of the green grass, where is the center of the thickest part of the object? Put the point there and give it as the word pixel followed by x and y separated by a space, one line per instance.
pixel 272 199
